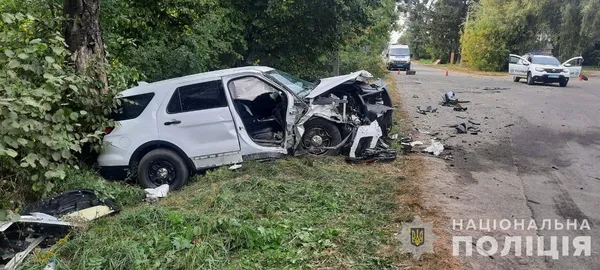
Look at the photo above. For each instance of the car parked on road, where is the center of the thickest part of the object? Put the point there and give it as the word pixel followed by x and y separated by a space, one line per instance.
pixel 543 68
pixel 398 57
pixel 168 129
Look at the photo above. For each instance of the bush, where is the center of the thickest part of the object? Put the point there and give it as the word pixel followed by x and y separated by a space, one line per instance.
pixel 49 111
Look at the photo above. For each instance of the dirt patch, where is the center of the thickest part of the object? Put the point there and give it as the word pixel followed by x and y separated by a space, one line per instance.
pixel 412 196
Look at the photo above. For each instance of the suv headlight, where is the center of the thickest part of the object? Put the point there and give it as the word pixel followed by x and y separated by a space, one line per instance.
pixel 565 71
pixel 538 69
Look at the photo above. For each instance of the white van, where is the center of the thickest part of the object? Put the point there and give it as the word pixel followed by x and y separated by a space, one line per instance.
pixel 398 57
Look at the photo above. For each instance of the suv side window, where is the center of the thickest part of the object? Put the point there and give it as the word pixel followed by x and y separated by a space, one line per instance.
pixel 195 97
pixel 131 107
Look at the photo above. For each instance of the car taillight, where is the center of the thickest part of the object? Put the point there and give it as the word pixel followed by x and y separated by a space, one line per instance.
pixel 108 130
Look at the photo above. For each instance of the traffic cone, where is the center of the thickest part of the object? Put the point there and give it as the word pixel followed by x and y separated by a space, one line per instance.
pixel 580 77
pixel 398 71
pixel 446 73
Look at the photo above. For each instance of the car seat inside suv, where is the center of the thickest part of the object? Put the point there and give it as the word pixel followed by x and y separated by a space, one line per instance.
pixel 258 117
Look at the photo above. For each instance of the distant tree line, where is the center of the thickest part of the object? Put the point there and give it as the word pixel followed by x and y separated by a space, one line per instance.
pixel 483 32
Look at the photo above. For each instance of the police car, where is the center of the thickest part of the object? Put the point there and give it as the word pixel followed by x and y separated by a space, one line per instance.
pixel 543 68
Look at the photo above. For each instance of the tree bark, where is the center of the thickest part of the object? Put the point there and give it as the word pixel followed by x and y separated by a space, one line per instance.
pixel 83 36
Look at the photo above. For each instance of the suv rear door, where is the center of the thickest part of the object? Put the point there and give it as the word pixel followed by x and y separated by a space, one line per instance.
pixel 198 120
pixel 574 66
pixel 517 65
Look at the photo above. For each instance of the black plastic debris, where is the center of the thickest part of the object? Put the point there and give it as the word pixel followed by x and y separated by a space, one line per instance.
pixel 411 72
pixel 449 99
pixel 459 107
pixel 426 109
pixel 495 88
pixel 376 155
pixel 463 128
pixel 68 202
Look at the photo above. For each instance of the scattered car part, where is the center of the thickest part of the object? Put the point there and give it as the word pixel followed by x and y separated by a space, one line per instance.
pixel 373 156
pixel 69 202
pixel 157 192
pixel 365 135
pixel 459 107
pixel 435 148
pixel 235 167
pixel 20 257
pixel 426 110
pixel 411 72
pixel 44 222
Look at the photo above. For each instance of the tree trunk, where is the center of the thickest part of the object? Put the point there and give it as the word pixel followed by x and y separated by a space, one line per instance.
pixel 83 36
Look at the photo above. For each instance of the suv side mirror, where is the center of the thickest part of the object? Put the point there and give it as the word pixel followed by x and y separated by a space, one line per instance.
pixel 387 55
pixel 567 65
pixel 526 63
pixel 411 55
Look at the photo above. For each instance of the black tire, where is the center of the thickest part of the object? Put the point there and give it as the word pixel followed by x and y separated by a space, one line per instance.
pixel 320 133
pixel 516 79
pixel 530 80
pixel 563 83
pixel 153 165
pixel 408 68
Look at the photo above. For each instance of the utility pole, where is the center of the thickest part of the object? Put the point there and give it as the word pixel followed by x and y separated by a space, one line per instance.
pixel 336 63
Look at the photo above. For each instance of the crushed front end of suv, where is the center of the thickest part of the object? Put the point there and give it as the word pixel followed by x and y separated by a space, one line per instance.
pixel 166 130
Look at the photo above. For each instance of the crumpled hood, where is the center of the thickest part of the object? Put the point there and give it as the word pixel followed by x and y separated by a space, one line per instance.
pixel 327 84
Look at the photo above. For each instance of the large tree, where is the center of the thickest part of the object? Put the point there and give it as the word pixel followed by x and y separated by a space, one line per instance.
pixel 83 36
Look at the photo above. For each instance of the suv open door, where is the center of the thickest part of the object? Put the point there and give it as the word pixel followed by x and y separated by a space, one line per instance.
pixel 517 65
pixel 574 65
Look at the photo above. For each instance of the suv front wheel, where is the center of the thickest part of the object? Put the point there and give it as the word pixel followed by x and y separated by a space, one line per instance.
pixel 530 80
pixel 162 166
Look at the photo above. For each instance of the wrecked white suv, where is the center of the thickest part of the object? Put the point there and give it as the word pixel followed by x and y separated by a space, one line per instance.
pixel 169 129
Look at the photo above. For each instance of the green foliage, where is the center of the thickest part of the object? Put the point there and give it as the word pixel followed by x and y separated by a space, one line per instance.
pixel 444 28
pixel 363 50
pixel 497 28
pixel 292 213
pixel 46 108
pixel 167 38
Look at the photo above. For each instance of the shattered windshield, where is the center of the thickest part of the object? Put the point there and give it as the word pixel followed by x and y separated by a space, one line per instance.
pixel 298 86
pixel 399 51
pixel 545 60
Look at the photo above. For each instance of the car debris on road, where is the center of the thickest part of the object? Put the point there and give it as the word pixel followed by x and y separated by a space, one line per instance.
pixel 435 148
pixel 44 222
pixel 426 109
pixel 463 128
pixel 449 99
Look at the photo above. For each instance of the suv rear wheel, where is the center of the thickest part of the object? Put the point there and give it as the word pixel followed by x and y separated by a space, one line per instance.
pixel 162 166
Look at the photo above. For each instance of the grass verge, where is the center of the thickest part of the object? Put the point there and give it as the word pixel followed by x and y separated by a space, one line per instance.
pixel 302 212
pixel 460 68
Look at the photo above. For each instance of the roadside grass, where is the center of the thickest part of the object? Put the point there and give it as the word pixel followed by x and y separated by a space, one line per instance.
pixel 460 68
pixel 591 68
pixel 290 213
pixel 296 212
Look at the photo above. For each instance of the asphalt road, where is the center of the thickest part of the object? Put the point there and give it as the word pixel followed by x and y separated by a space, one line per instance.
pixel 537 156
